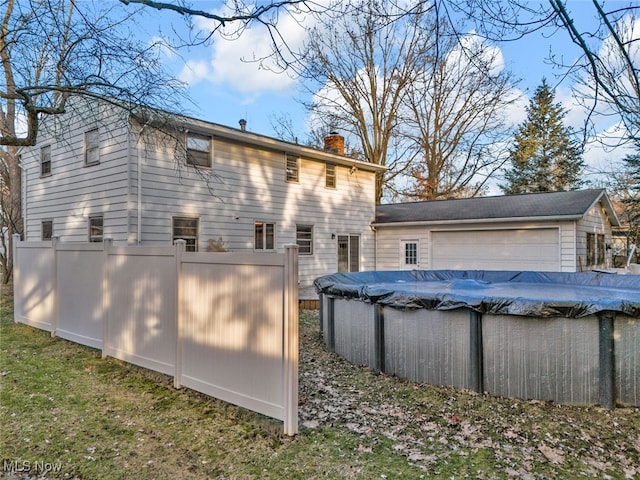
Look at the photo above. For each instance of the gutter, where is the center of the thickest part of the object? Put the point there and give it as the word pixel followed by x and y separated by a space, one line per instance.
pixel 419 223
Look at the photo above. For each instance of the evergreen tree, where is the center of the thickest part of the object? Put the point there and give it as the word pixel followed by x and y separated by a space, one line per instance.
pixel 545 157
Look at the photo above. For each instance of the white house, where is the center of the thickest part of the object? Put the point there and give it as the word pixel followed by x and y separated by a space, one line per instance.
pixel 554 231
pixel 149 179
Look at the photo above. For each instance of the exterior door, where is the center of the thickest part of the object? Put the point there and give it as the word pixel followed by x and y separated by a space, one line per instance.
pixel 348 253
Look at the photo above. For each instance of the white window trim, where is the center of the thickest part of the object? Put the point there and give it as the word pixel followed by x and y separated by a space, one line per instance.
pixel 311 240
pixel 287 157
pixel 87 163
pixel 402 261
pixel 50 149
pixel 175 237
pixel 199 136
pixel 335 175
pixel 91 237
pixel 264 236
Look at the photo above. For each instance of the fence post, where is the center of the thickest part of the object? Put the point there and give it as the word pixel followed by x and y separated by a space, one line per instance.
pixel 180 245
pixel 331 335
pixel 475 352
pixel 378 338
pixel 291 339
pixel 54 287
pixel 106 295
pixel 17 299
pixel 607 370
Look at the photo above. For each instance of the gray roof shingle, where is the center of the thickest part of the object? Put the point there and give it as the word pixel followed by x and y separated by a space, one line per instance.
pixel 571 204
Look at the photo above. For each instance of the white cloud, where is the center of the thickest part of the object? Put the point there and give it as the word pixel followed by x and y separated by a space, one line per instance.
pixel 243 61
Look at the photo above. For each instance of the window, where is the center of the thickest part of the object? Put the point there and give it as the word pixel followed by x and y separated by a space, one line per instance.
pixel 96 230
pixel 198 150
pixel 595 249
pixel 47 229
pixel 185 228
pixel 330 175
pixel 45 160
pixel 265 235
pixel 348 253
pixel 304 239
pixel 600 249
pixel 293 168
pixel 409 252
pixel 91 147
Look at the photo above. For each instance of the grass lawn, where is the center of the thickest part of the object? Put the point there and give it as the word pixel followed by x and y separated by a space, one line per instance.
pixel 68 413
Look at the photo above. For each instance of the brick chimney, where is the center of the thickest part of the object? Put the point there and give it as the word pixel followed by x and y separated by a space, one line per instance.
pixel 334 143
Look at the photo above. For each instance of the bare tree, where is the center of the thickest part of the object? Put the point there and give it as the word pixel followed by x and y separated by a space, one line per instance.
pixel 607 69
pixel 455 117
pixel 358 65
pixel 53 51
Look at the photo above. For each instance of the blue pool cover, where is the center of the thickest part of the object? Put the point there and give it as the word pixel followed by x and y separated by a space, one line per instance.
pixel 537 294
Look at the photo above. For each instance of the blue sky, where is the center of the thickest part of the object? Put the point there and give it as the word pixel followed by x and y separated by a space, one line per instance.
pixel 225 89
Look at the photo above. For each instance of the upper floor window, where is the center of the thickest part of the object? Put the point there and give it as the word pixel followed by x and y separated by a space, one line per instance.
pixel 304 239
pixel 293 168
pixel 47 229
pixel 45 160
pixel 186 228
pixel 96 229
pixel 198 150
pixel 330 175
pixel 91 147
pixel 265 236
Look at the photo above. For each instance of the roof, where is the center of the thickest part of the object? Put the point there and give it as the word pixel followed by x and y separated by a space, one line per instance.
pixel 571 205
pixel 250 138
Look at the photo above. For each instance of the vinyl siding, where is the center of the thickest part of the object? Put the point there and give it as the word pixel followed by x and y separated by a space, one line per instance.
pixel 389 238
pixel 74 191
pixel 594 221
pixel 248 184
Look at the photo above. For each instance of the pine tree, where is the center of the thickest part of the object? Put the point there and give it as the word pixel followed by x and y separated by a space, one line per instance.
pixel 545 157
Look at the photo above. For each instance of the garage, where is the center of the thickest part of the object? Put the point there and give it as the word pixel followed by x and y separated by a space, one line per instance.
pixel 501 249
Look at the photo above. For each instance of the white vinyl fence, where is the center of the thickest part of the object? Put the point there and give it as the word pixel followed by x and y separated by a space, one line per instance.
pixel 224 324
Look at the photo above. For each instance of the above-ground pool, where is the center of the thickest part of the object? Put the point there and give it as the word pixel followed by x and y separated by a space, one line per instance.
pixel 572 338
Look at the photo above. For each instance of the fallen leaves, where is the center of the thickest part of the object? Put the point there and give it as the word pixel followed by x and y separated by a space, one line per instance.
pixel 434 427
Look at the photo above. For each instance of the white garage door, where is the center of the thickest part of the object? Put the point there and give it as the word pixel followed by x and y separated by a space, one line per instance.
pixel 513 249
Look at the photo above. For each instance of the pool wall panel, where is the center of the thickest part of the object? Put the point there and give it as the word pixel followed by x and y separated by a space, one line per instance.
pixel 627 359
pixel 428 346
pixel 541 358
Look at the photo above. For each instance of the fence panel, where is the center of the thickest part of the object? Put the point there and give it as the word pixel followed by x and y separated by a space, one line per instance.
pixel 79 276
pixel 232 331
pixel 224 324
pixel 34 283
pixel 142 292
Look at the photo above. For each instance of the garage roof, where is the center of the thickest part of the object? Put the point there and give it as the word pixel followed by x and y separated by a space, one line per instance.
pixel 571 205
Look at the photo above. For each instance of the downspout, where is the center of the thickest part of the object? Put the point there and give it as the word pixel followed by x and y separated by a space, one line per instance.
pixel 375 246
pixel 139 158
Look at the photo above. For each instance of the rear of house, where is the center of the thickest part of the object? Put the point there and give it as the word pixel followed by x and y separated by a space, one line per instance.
pixel 555 231
pixel 104 173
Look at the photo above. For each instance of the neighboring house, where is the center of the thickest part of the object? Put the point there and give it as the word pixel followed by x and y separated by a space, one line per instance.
pixel 145 180
pixel 556 231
